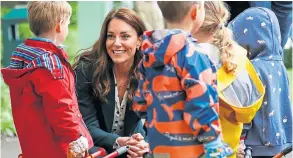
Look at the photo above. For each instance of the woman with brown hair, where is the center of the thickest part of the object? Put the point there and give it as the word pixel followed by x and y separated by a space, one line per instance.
pixel 106 80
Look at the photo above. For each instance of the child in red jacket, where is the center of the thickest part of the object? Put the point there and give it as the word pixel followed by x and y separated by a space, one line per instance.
pixel 41 82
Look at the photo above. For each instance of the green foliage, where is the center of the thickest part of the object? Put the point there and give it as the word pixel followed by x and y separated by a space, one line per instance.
pixel 7 125
pixel 24 31
pixel 73 19
pixel 116 4
pixel 6 119
pixel 72 38
pixel 71 42
pixel 4 11
pixel 288 57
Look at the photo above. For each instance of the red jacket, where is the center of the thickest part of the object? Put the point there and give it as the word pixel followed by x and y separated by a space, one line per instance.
pixel 43 100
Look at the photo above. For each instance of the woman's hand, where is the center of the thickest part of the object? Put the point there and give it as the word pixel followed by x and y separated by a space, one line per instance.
pixel 122 140
pixel 137 146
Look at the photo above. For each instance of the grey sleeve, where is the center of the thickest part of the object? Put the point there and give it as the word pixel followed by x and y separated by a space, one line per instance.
pixel 242 92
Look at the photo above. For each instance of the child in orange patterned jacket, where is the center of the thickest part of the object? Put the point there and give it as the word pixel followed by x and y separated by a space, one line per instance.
pixel 177 89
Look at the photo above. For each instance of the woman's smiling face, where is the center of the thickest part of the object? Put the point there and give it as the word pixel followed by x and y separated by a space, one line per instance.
pixel 121 41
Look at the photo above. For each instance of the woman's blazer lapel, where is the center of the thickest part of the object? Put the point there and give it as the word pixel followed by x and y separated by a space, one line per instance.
pixel 109 108
pixel 131 121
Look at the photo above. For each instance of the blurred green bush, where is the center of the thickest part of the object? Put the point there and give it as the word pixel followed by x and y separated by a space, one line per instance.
pixel 288 57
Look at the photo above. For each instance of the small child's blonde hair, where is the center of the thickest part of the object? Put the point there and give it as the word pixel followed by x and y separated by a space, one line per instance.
pixel 216 17
pixel 44 15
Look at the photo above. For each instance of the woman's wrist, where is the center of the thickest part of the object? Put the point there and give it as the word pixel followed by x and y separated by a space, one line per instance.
pixel 121 141
pixel 116 144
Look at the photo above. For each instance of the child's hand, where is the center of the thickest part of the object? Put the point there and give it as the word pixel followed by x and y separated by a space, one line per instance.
pixel 79 147
pixel 240 151
pixel 216 149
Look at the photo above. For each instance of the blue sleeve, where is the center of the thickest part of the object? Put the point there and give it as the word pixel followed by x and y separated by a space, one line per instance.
pixel 139 101
pixel 198 79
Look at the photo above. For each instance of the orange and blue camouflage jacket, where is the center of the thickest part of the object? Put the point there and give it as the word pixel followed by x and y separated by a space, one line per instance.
pixel 177 94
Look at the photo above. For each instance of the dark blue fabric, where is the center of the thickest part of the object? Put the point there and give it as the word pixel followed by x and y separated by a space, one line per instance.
pixel 257 30
pixel 283 11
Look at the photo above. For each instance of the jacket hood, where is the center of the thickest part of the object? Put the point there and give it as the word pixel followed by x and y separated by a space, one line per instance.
pixel 15 77
pixel 33 53
pixel 258 30
pixel 159 46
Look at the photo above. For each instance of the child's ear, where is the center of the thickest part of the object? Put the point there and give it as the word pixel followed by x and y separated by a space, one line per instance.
pixel 194 10
pixel 58 27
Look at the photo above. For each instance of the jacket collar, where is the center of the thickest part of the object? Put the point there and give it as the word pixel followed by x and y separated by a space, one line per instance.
pixel 47 45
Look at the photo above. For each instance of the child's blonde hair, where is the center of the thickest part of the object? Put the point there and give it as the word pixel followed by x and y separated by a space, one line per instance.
pixel 44 15
pixel 216 17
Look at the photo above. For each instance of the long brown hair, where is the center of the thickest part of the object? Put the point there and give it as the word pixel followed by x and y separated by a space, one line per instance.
pixel 216 17
pixel 99 59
